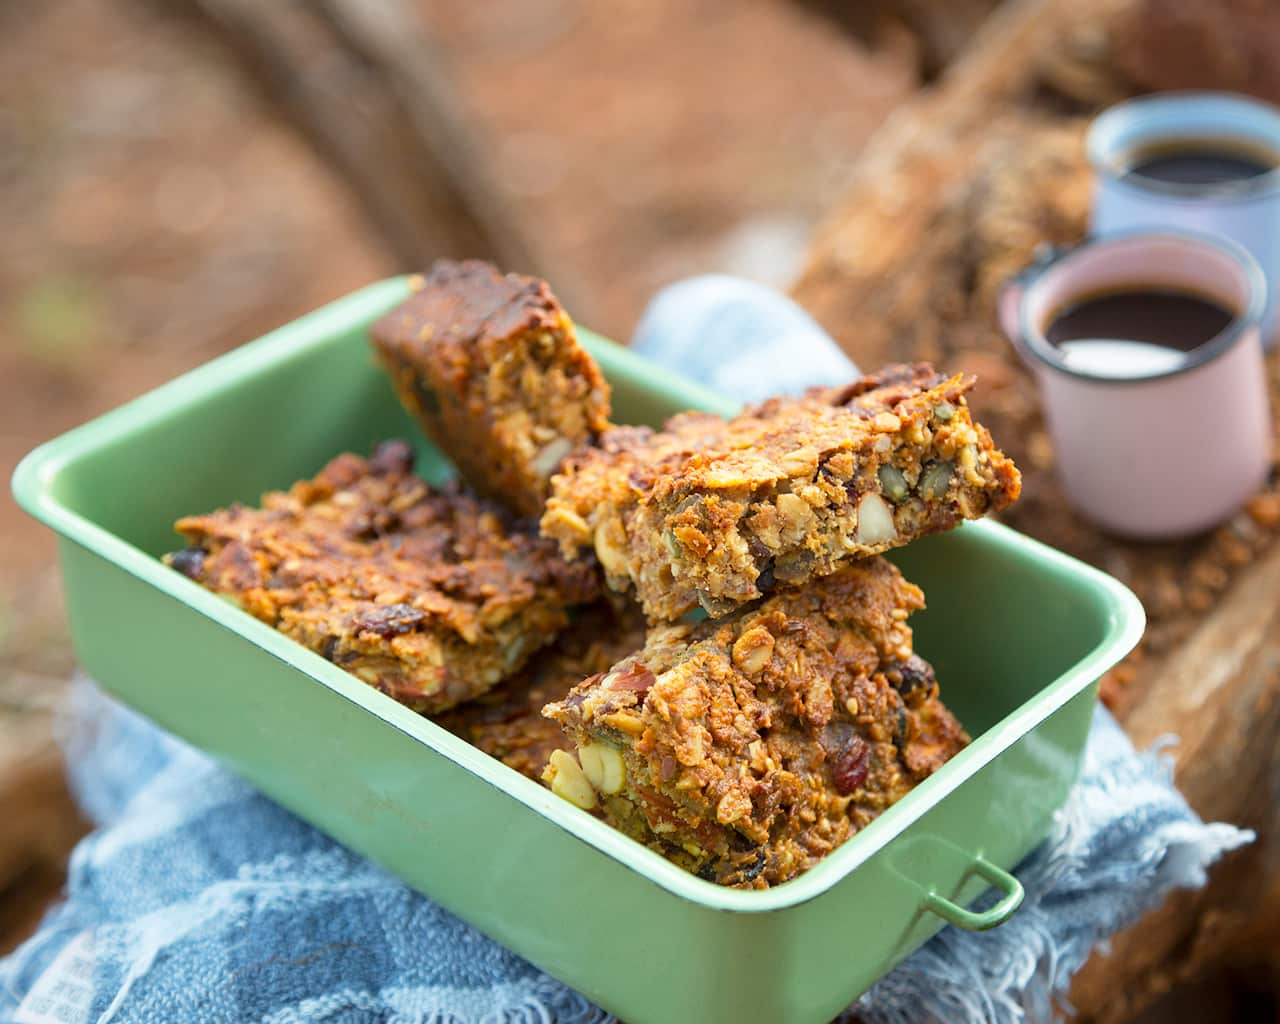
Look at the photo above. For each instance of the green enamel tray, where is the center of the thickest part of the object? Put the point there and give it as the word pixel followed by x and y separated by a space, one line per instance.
pixel 1019 634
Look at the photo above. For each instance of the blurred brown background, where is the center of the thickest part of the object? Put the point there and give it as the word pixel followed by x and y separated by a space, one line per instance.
pixel 180 176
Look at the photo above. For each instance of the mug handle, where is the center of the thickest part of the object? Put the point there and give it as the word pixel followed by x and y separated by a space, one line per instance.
pixel 1012 292
pixel 1009 307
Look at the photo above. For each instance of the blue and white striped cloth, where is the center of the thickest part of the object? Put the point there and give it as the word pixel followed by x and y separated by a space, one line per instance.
pixel 198 899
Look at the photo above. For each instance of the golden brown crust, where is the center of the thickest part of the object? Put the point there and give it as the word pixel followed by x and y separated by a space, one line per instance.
pixel 716 512
pixel 755 744
pixel 507 722
pixel 490 366
pixel 430 596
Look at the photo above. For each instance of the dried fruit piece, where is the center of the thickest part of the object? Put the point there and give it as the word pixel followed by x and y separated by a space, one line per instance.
pixel 849 766
pixel 913 678
pixel 392 456
pixel 188 561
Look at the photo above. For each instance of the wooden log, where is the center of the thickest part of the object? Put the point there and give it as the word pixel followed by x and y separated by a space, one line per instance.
pixel 1220 694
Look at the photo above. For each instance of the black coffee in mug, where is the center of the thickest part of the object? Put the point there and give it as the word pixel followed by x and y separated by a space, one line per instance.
pixel 1207 163
pixel 1135 331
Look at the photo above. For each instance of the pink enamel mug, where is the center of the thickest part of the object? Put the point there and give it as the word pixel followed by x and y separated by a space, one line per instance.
pixel 1151 443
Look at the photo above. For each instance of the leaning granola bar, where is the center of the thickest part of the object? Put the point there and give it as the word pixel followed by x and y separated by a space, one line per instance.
pixel 747 748
pixel 490 366
pixel 430 596
pixel 716 512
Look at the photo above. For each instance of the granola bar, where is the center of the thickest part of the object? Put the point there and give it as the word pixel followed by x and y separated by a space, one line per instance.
pixel 718 513
pixel 490 366
pixel 507 722
pixel 430 596
pixel 747 748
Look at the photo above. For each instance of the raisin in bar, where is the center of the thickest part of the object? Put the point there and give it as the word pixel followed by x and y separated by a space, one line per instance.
pixel 430 596
pixel 749 747
pixel 507 722
pixel 490 366
pixel 717 513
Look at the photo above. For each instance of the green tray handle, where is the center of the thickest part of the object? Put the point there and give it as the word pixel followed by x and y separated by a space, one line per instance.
pixel 979 921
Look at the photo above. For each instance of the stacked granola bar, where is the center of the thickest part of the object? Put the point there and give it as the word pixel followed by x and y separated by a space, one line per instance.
pixel 748 747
